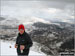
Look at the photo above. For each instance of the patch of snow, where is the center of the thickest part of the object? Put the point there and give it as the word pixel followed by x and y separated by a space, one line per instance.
pixel 6 50
pixel 59 44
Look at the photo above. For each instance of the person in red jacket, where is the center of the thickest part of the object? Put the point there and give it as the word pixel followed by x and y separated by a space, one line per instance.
pixel 23 42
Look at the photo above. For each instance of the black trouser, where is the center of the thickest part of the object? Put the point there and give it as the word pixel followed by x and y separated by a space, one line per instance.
pixel 25 52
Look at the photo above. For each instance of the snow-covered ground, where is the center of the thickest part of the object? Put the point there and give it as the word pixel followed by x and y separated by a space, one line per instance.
pixel 6 50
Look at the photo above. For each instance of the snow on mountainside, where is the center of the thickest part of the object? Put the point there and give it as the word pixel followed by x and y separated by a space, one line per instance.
pixel 24 20
pixel 8 21
pixel 6 50
pixel 31 20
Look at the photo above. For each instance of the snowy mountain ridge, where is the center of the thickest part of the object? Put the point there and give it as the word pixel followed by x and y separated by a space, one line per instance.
pixel 25 21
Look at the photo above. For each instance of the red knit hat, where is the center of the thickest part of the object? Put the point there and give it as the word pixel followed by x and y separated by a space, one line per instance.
pixel 21 26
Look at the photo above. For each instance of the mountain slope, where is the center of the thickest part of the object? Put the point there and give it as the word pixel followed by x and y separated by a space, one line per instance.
pixel 51 36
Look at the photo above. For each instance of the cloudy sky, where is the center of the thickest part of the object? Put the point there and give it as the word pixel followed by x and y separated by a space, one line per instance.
pixel 51 10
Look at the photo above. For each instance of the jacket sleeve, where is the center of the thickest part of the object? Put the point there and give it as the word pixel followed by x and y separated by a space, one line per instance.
pixel 17 40
pixel 29 42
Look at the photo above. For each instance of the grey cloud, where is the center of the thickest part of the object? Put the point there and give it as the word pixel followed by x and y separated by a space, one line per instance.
pixel 34 8
pixel 38 4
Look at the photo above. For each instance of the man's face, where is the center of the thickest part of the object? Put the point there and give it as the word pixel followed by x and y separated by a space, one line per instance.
pixel 21 31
